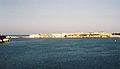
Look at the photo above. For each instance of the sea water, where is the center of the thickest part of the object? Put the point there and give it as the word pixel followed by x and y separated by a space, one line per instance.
pixel 83 53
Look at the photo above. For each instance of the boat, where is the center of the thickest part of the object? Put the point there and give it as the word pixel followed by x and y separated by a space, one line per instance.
pixel 3 38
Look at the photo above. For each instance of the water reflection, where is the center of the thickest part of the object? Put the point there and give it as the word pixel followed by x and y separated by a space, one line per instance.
pixel 3 44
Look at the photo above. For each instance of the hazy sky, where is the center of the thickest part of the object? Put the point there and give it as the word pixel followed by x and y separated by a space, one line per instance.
pixel 51 16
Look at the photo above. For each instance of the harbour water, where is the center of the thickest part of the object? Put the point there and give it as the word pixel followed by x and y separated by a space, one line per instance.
pixel 88 53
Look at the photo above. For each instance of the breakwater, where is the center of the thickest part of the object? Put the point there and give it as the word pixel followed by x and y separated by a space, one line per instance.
pixel 18 36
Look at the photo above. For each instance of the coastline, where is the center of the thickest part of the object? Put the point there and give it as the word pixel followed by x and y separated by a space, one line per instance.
pixel 71 35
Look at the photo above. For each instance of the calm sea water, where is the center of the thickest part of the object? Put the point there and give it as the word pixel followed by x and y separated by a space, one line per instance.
pixel 60 54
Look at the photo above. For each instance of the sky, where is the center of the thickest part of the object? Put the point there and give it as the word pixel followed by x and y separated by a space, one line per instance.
pixel 57 16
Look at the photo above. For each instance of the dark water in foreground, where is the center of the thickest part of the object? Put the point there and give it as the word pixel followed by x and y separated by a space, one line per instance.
pixel 60 54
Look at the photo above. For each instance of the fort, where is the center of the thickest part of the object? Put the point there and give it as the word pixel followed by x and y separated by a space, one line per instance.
pixel 78 35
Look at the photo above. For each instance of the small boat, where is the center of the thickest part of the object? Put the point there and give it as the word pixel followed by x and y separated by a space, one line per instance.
pixel 3 38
